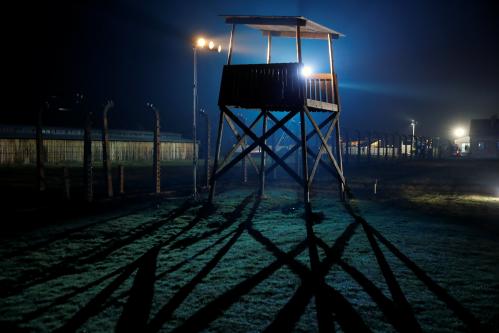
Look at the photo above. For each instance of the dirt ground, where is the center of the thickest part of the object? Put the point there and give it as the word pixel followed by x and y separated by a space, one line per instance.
pixel 419 255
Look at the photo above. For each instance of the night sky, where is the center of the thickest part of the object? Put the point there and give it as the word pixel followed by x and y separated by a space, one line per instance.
pixel 434 61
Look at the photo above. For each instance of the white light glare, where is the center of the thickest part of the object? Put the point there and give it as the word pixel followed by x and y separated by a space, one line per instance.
pixel 201 42
pixel 306 71
pixel 459 132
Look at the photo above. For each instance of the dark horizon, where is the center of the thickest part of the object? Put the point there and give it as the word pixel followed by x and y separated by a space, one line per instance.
pixel 436 63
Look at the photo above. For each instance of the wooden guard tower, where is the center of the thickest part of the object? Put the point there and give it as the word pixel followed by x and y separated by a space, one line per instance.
pixel 273 87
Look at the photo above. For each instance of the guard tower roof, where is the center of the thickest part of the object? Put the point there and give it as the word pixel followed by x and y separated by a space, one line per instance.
pixel 283 26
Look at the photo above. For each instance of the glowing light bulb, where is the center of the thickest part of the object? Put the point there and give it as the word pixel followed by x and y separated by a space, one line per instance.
pixel 306 71
pixel 459 132
pixel 201 42
pixel 211 45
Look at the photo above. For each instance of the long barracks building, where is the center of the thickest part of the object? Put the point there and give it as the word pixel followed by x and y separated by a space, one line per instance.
pixel 18 145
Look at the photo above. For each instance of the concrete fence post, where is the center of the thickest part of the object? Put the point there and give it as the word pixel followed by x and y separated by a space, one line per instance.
pixel 106 158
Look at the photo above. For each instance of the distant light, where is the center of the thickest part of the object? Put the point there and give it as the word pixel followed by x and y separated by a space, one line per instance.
pixel 219 48
pixel 211 45
pixel 306 71
pixel 201 42
pixel 459 132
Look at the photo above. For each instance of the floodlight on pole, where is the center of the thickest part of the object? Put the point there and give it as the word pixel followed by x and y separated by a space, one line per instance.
pixel 306 71
pixel 459 132
pixel 199 44
pixel 413 125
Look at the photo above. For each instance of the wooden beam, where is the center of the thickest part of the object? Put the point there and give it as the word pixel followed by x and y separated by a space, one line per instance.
pixel 258 141
pixel 304 159
pixel 321 152
pixel 298 45
pixel 338 136
pixel 272 20
pixel 240 143
pixel 231 44
pixel 320 76
pixel 312 103
pixel 217 156
pixel 329 153
pixel 297 140
pixel 331 67
pixel 269 48
pixel 304 34
pixel 262 156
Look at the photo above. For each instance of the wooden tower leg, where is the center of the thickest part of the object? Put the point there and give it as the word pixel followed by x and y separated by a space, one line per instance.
pixel 339 158
pixel 304 160
pixel 261 192
pixel 217 156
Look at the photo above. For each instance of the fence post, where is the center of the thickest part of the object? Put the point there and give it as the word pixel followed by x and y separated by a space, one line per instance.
pixel 406 155
pixel 347 148
pixel 67 184
pixel 378 145
pixel 394 145
pixel 369 146
pixel 358 146
pixel 208 147
pixel 40 167
pixel 106 158
pixel 87 157
pixel 156 152
pixel 122 179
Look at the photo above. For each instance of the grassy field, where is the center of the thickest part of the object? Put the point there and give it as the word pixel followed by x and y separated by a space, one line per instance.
pixel 420 255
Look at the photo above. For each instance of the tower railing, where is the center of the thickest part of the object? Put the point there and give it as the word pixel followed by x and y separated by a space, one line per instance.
pixel 277 86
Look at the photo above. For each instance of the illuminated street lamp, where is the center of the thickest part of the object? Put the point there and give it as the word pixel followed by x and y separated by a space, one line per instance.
pixel 413 125
pixel 200 44
pixel 459 132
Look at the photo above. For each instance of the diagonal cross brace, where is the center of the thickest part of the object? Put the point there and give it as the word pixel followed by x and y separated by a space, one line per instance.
pixel 298 142
pixel 240 141
pixel 259 141
pixel 328 150
pixel 318 158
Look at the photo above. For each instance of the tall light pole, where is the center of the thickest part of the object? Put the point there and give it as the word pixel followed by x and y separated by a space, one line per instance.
pixel 207 147
pixel 413 125
pixel 199 44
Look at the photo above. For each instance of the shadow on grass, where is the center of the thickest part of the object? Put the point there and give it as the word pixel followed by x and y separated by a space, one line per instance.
pixel 67 233
pixel 331 305
pixel 332 302
pixel 167 310
pixel 136 311
pixel 122 272
pixel 400 312
pixel 70 264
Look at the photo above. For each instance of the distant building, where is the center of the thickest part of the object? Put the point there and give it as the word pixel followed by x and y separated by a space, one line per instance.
pixel 463 145
pixel 61 145
pixel 484 138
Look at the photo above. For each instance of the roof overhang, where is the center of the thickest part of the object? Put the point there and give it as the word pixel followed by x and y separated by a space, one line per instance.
pixel 284 26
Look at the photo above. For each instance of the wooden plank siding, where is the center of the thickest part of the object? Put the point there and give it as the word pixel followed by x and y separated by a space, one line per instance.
pixel 275 87
pixel 23 151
